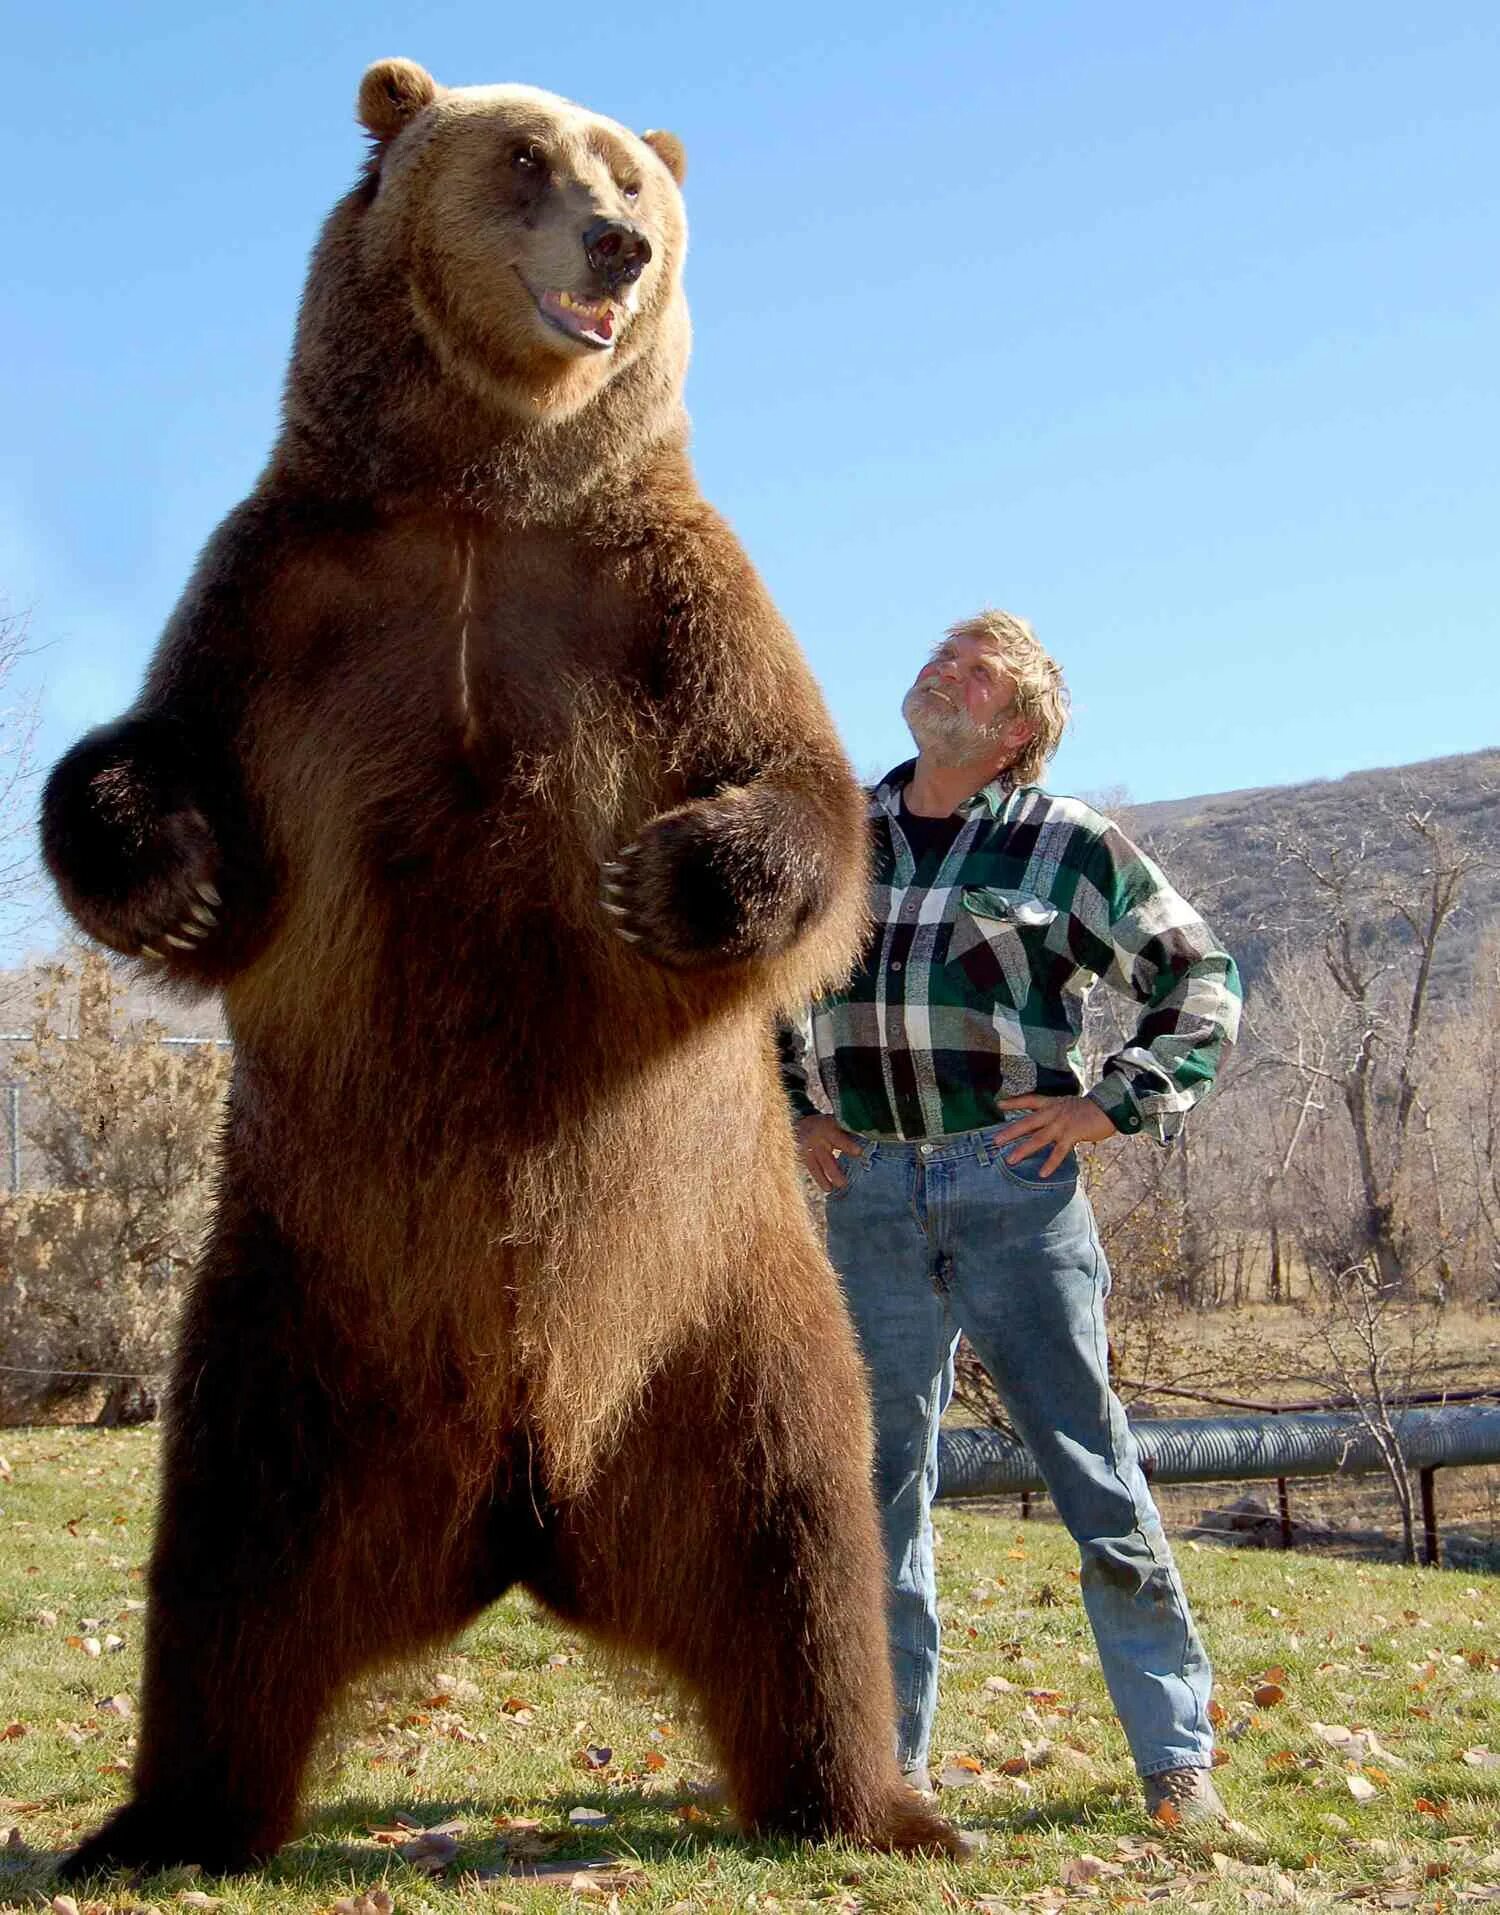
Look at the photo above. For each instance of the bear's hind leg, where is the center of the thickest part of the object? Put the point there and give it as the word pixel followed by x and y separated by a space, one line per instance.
pixel 733 1535
pixel 301 1538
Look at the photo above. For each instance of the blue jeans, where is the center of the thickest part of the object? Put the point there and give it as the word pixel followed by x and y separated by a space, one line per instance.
pixel 933 1239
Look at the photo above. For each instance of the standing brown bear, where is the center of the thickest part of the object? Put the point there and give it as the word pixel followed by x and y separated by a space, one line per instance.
pixel 478 773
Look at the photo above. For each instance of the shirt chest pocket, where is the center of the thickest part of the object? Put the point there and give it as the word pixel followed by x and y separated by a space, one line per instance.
pixel 998 941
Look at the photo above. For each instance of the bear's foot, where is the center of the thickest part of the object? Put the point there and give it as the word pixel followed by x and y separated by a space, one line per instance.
pixel 910 1826
pixel 900 1823
pixel 145 1839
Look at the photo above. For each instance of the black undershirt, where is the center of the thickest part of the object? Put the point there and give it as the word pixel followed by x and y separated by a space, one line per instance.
pixel 928 836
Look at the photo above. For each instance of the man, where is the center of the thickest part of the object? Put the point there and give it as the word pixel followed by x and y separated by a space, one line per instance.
pixel 951 1065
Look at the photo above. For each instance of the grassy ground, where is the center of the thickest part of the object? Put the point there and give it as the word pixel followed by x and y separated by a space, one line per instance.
pixel 1360 1706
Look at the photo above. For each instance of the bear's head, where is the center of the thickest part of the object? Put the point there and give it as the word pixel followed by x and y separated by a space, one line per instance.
pixel 509 260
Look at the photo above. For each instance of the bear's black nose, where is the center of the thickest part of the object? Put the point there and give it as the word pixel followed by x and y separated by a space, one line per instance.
pixel 617 251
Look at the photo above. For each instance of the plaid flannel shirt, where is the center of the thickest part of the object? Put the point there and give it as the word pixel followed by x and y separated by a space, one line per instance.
pixel 973 984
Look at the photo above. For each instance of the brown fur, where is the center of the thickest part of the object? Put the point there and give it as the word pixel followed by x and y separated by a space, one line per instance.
pixel 510 1279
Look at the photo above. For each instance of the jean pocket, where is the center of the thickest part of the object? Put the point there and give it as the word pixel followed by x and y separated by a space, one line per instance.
pixel 853 1168
pixel 1027 1171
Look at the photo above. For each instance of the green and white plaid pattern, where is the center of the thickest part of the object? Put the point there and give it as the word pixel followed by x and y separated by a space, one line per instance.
pixel 972 987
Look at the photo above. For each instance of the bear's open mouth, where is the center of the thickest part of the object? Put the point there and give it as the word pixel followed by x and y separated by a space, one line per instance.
pixel 591 320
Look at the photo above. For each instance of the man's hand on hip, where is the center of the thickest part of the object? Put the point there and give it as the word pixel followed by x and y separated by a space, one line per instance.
pixel 821 1141
pixel 1053 1124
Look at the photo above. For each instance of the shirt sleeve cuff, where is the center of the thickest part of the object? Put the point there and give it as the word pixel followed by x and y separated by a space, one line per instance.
pixel 1112 1095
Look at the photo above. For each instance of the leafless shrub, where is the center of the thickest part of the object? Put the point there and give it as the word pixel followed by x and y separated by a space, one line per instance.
pixel 92 1267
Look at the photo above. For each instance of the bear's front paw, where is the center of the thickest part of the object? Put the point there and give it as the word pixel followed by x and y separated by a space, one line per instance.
pixel 127 839
pixel 173 912
pixel 165 902
pixel 685 893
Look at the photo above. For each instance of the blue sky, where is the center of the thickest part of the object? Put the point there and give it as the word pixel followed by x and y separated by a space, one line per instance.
pixel 1173 328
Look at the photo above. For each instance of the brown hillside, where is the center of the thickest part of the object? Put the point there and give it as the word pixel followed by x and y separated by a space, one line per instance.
pixel 1226 848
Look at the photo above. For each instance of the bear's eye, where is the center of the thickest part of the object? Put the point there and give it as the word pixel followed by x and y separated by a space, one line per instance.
pixel 630 189
pixel 527 159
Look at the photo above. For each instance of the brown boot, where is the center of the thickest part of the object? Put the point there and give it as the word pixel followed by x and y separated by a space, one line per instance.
pixel 1176 1796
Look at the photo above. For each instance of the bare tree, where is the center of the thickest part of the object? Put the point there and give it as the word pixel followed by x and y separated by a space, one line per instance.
pixel 1378 1349
pixel 1350 1025
pixel 1464 1131
pixel 18 721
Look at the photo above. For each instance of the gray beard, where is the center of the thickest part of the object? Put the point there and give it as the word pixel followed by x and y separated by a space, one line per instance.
pixel 947 735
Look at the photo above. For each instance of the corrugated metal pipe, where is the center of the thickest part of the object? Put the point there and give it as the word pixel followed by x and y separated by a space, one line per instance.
pixel 1215 1449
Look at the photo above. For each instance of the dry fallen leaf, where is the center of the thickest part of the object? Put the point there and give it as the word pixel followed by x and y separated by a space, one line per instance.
pixel 959 1773
pixel 453 1689
pixel 1268 1694
pixel 608 1882
pixel 431 1852
pixel 1079 1870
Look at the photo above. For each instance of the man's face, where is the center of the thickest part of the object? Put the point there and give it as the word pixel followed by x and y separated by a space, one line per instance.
pixel 959 709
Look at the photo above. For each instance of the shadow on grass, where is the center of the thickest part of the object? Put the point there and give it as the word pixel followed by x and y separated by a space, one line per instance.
pixel 643 1825
pixel 334 1854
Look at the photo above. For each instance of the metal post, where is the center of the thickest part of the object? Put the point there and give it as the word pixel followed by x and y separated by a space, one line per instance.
pixel 1284 1506
pixel 1429 1518
pixel 1025 1505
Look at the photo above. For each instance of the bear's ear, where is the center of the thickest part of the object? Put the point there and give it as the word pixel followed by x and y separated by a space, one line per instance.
pixel 392 94
pixel 669 150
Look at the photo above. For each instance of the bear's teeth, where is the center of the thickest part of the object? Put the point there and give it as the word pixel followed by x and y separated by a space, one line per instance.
pixel 593 308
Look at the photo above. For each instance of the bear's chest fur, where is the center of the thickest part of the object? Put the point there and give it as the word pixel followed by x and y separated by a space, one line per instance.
pixel 494 641
pixel 451 697
pixel 451 728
